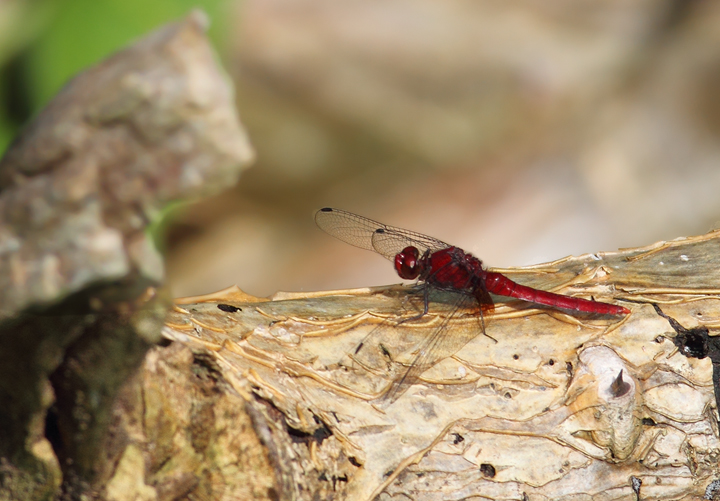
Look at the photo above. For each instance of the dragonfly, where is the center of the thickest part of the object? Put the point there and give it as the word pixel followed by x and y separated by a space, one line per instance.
pixel 437 265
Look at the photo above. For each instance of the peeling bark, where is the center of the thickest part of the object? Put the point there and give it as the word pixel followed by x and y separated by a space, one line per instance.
pixel 560 406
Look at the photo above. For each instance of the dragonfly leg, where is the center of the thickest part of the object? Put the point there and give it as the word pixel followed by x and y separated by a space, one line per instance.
pixel 482 324
pixel 426 303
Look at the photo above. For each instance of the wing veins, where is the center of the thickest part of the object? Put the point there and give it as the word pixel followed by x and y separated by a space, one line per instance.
pixel 372 235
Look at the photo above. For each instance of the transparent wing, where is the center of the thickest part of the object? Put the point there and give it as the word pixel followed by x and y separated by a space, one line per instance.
pixel 444 342
pixel 389 241
pixel 372 235
pixel 379 352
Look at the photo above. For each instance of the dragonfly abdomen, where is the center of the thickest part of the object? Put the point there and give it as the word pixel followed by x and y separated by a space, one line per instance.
pixel 503 286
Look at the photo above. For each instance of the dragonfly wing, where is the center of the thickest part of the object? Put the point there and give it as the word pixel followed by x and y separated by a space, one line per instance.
pixel 389 241
pixel 439 345
pixel 371 235
pixel 348 227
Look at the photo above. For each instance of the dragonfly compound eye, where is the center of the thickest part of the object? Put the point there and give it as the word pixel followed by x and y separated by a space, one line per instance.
pixel 406 263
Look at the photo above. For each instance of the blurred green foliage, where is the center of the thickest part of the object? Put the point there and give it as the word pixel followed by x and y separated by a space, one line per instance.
pixel 44 43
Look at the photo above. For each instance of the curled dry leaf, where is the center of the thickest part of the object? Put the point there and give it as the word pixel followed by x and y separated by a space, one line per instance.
pixel 546 406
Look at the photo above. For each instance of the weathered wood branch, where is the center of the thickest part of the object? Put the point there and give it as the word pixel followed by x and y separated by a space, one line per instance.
pixel 559 407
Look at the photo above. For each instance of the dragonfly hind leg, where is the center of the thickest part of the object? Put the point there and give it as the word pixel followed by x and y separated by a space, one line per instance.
pixel 426 304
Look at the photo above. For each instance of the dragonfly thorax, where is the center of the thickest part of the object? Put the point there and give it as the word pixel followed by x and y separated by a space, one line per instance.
pixel 446 268
pixel 452 268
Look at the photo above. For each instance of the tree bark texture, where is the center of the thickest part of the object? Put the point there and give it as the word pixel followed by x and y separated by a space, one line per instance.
pixel 547 406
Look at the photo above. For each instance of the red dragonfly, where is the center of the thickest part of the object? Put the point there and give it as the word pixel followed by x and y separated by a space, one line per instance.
pixel 442 266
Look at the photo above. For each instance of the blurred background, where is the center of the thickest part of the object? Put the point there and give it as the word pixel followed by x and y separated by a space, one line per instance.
pixel 521 131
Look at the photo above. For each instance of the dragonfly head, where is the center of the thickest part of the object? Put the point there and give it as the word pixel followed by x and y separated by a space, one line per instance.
pixel 406 263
